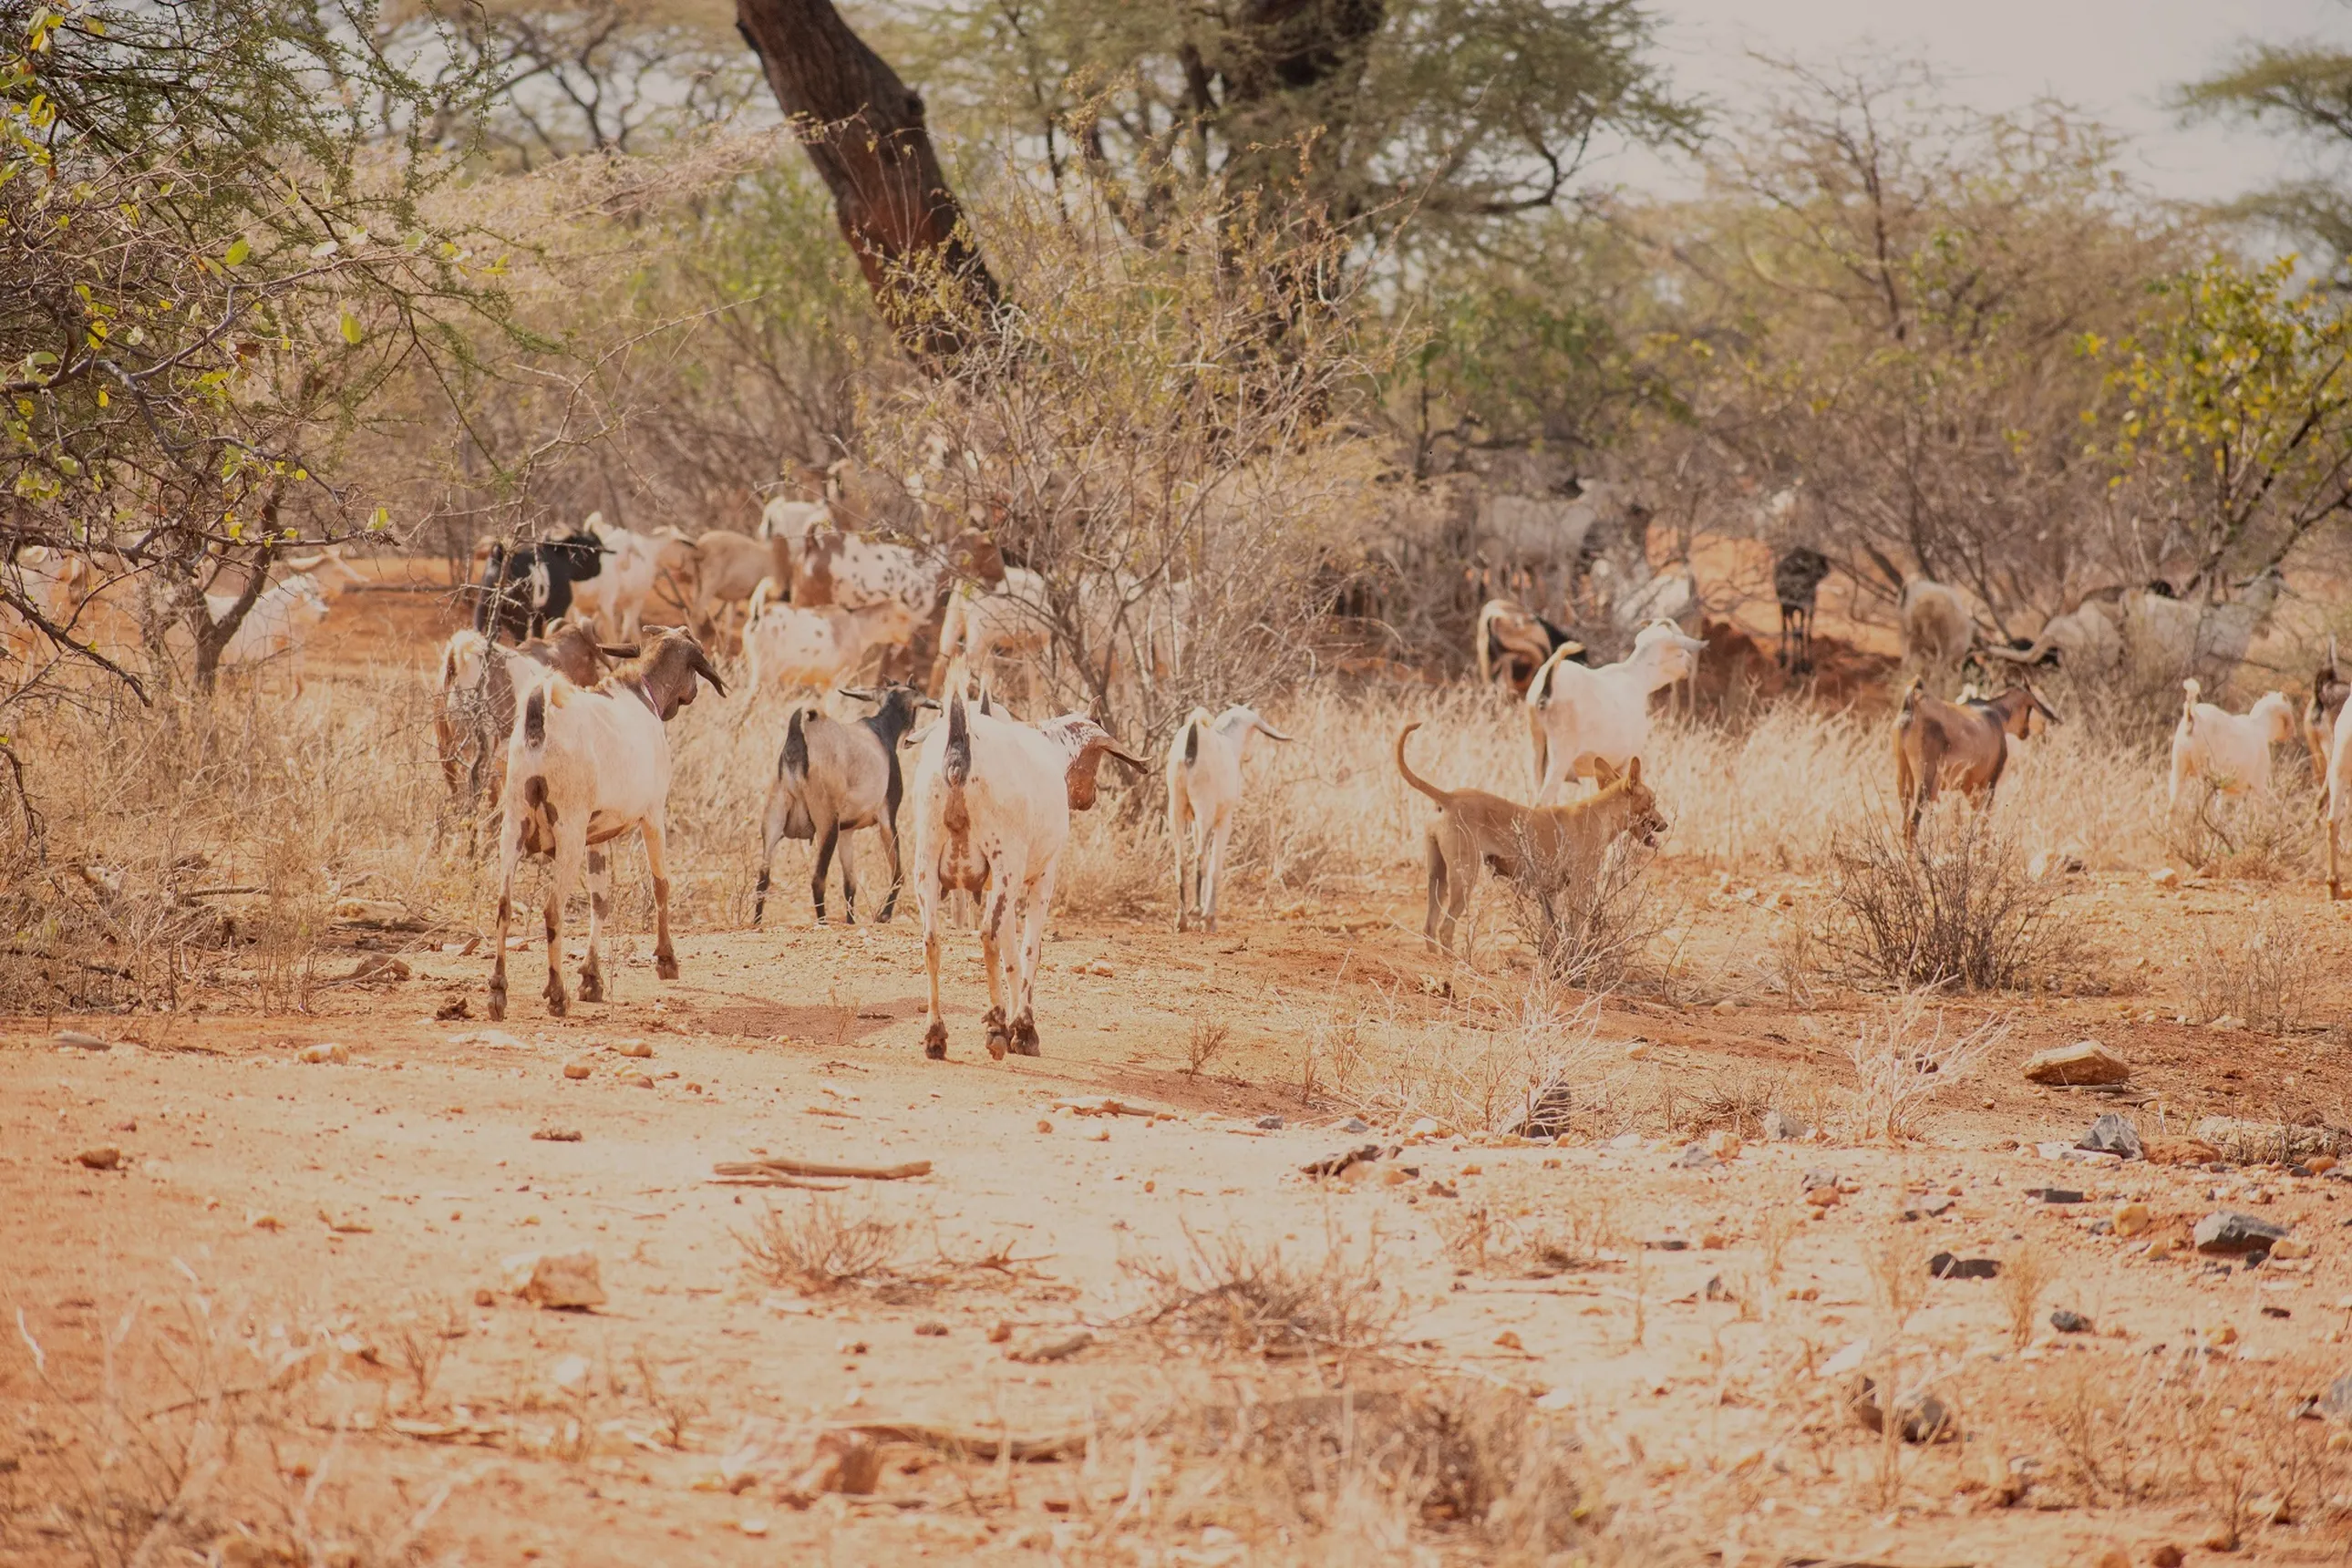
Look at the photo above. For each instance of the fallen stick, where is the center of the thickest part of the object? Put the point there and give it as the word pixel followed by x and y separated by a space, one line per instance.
pixel 775 1181
pixel 1024 1450
pixel 818 1168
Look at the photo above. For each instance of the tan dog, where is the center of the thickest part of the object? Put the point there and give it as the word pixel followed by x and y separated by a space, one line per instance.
pixel 1525 843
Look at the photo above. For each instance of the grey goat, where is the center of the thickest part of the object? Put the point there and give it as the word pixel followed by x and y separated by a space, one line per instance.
pixel 832 779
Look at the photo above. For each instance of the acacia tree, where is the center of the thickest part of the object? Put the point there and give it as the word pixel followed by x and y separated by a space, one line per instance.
pixel 209 258
pixel 2303 91
pixel 2232 413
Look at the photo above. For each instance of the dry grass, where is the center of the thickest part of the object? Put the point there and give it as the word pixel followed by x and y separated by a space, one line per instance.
pixel 1247 1296
pixel 822 1248
pixel 1907 1057
pixel 2025 1277
pixel 1536 1063
pixel 1204 1044
pixel 2261 973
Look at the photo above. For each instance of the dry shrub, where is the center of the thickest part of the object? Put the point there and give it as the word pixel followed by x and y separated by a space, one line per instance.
pixel 1204 1044
pixel 1959 908
pixel 2025 1275
pixel 2264 973
pixel 2261 837
pixel 1587 925
pixel 1246 1296
pixel 1905 1058
pixel 1528 1069
pixel 1563 1236
pixel 823 1248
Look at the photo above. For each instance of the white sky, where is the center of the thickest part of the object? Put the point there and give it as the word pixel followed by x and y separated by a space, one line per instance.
pixel 2114 58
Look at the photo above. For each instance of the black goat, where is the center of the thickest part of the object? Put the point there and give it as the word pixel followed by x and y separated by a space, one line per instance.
pixel 525 587
pixel 832 779
pixel 1797 582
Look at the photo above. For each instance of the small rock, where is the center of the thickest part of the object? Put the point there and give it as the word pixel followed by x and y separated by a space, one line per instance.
pixel 1924 1417
pixel 636 1049
pixel 555 1278
pixel 1693 1156
pixel 2113 1134
pixel 262 1219
pixel 1044 1125
pixel 998 1332
pixel 556 1135
pixel 2069 1322
pixel 1823 1197
pixel 1779 1127
pixel 2221 1334
pixel 2287 1247
pixel 1509 1339
pixel 1723 1144
pixel 2165 1556
pixel 2111 1556
pixel 1947 1266
pixel 2083 1062
pixel 2132 1220
pixel 1426 1126
pixel 2164 876
pixel 1060 1347
pixel 326 1051
pixel 1100 968
pixel 932 1329
pixel 105 1157
pixel 1333 1164
pixel 1929 1206
pixel 577 1070
pixel 1438 1189
pixel 486 1297
pixel 80 1041
pixel 1270 1123
pixel 637 1081
pixel 1639 1051
pixel 452 1010
pixel 1818 1178
pixel 2226 1231
pixel 571 1374
pixel 1716 1290
pixel 1355 1124
pixel 2055 1194
pixel 752 1526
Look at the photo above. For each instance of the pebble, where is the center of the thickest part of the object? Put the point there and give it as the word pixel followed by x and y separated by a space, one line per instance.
pixel 326 1051
pixel 2165 1556
pixel 1947 1266
pixel 1509 1339
pixel 1427 1127
pixel 1270 1123
pixel 2227 1231
pixel 2132 1220
pixel 2083 1062
pixel 105 1157
pixel 486 1297
pixel 1779 1127
pixel 637 1080
pixel 2113 1134
pixel 1723 1144
pixel 555 1278
pixel 2069 1322
pixel 1355 1124
pixel 752 1526
pixel 2111 1556
pixel 2288 1247
pixel 576 1069
pixel 571 1374
pixel 637 1048
pixel 1044 1125
pixel 1821 1197
pixel 998 1332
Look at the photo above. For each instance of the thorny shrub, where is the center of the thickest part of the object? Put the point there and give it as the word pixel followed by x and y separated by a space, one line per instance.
pixel 2263 973
pixel 1905 1058
pixel 822 1248
pixel 1958 907
pixel 1523 1071
pixel 1248 1296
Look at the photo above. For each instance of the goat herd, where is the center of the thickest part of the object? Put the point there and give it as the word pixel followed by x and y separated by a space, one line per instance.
pixel 586 758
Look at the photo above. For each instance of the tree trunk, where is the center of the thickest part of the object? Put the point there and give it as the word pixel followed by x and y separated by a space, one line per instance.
pixel 864 130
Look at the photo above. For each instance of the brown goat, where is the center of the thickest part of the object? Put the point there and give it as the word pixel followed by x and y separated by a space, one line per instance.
pixel 1965 744
pixel 474 711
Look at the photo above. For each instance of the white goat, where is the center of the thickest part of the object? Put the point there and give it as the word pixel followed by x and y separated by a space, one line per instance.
pixel 2337 801
pixel 615 598
pixel 2231 751
pixel 1938 630
pixel 992 804
pixel 584 766
pixel 791 647
pixel 1576 714
pixel 1204 785
pixel 277 623
pixel 983 622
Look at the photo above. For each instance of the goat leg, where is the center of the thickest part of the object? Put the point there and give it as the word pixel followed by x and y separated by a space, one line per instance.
pixel 600 909
pixel 826 838
pixel 558 887
pixel 664 955
pixel 889 829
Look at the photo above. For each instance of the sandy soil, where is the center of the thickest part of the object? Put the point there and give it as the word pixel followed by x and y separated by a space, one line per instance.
pixel 326 1205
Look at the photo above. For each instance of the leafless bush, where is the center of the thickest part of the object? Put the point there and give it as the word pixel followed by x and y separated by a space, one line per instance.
pixel 1524 1071
pixel 2025 1275
pixel 2263 974
pixel 1958 908
pixel 823 1248
pixel 678 1408
pixel 1204 1044
pixel 1588 924
pixel 2263 836
pixel 1253 1298
pixel 1905 1058
pixel 1563 1235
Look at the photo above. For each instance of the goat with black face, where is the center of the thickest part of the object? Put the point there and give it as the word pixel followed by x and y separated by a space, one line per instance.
pixel 525 587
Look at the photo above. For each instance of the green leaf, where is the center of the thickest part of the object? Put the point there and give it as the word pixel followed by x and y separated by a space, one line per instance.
pixel 353 334
pixel 237 251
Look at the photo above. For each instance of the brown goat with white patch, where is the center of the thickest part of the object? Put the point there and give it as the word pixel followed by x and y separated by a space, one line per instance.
pixel 1963 745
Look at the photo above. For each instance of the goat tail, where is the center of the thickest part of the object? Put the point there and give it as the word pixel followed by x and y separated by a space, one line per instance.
pixel 1911 695
pixel 1195 722
pixel 534 719
pixel 793 764
pixel 1443 797
pixel 955 767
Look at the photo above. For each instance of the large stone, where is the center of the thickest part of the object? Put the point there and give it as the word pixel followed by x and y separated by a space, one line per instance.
pixel 2083 1062
pixel 1949 1266
pixel 2226 1231
pixel 555 1278
pixel 1779 1127
pixel 2113 1134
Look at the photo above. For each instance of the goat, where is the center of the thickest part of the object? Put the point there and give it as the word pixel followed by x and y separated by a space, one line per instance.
pixel 2338 797
pixel 992 804
pixel 981 622
pixel 1796 584
pixel 277 622
pixel 1204 785
pixel 727 567
pixel 1579 717
pixel 615 598
pixel 474 707
pixel 832 779
pixel 1536 846
pixel 791 646
pixel 2084 640
pixel 1513 641
pixel 2329 691
pixel 1938 630
pixel 1965 744
pixel 583 766
pixel 2170 636
pixel 525 587
pixel 2232 751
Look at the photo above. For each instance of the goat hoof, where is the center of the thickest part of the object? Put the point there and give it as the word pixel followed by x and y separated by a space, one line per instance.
pixel 935 1042
pixel 1024 1037
pixel 592 985
pixel 558 1004
pixel 665 965
pixel 498 1004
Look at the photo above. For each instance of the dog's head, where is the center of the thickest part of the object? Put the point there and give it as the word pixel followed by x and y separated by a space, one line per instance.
pixel 1642 819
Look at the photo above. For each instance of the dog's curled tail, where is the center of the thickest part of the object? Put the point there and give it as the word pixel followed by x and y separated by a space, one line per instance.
pixel 1443 797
